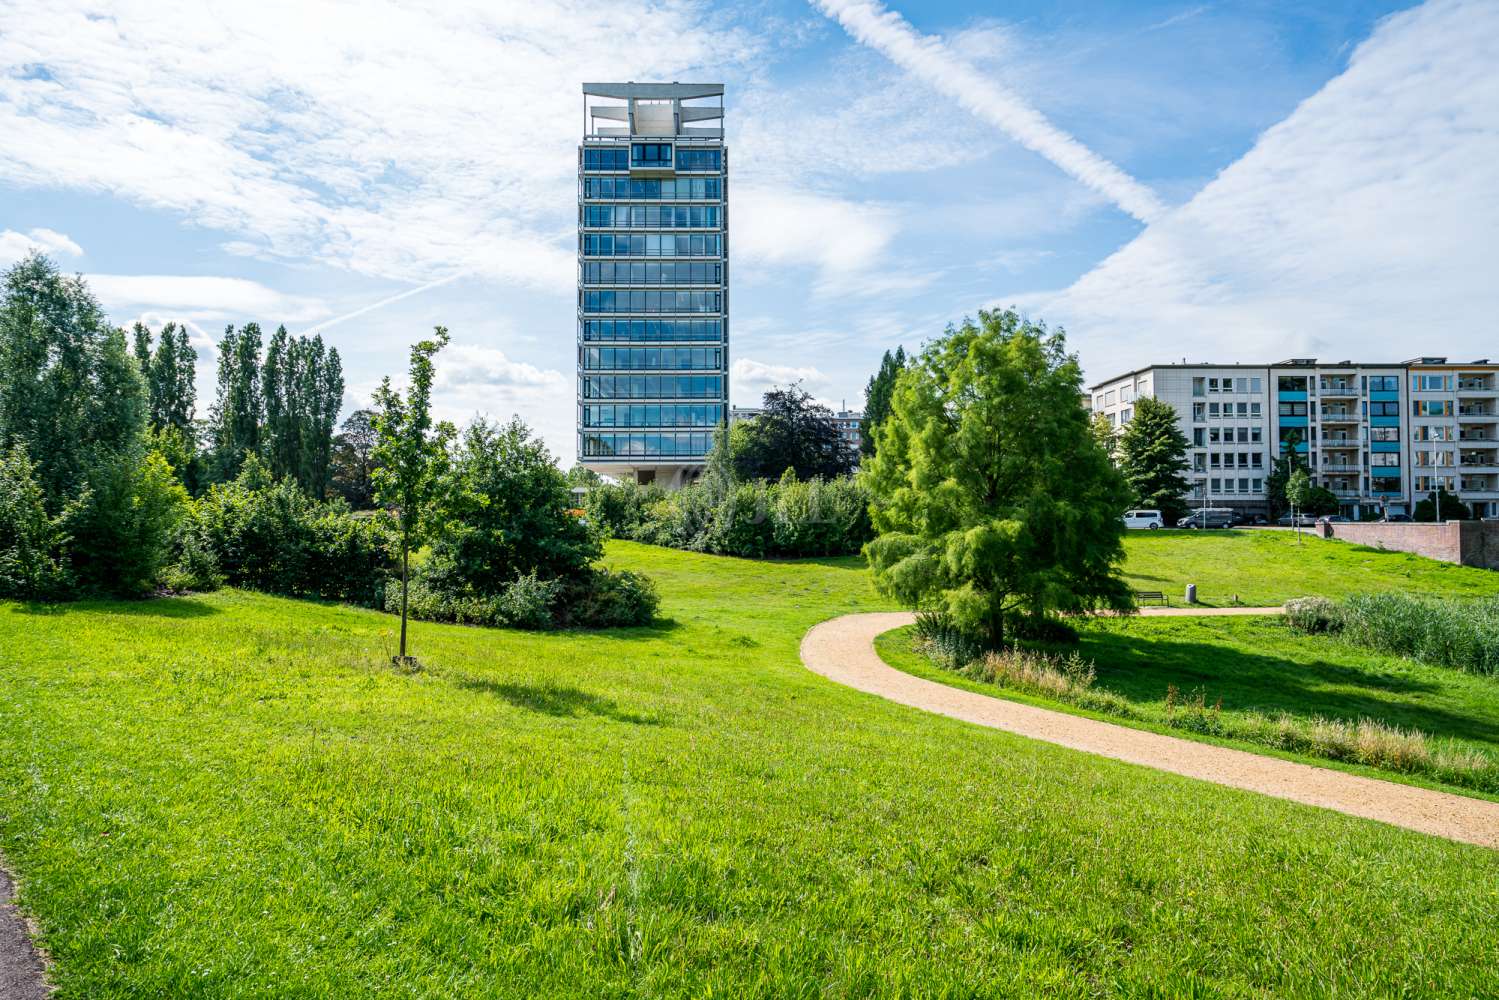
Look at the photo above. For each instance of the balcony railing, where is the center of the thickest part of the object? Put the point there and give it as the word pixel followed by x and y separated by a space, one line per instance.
pixel 1475 411
pixel 1338 389
pixel 1338 467
pixel 1339 417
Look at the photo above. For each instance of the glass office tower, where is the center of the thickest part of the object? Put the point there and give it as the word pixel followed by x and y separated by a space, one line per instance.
pixel 653 277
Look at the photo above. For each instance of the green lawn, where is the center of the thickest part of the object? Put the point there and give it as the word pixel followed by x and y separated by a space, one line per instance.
pixel 1266 567
pixel 231 796
pixel 1258 665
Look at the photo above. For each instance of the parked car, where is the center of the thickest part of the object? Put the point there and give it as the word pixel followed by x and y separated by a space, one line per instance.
pixel 1213 517
pixel 1144 519
pixel 1242 519
pixel 1333 519
pixel 1296 521
pixel 1395 519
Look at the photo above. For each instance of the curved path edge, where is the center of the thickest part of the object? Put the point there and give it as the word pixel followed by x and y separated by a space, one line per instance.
pixel 842 650
pixel 22 970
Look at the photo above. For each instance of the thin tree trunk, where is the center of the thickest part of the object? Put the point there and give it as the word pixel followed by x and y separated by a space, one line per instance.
pixel 405 558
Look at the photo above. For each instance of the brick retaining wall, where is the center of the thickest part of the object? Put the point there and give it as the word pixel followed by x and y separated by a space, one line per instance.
pixel 1468 543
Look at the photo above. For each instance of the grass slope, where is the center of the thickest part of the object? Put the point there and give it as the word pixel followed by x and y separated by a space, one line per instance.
pixel 229 796
pixel 1266 567
pixel 1257 665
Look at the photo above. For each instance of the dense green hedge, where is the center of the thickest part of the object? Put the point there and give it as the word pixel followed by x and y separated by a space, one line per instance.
pixel 596 598
pixel 755 519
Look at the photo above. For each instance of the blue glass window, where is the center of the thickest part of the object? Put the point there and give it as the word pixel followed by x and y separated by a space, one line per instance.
pixel 650 154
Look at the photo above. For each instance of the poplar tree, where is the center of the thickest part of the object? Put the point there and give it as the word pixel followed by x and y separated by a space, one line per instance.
pixel 877 398
pixel 238 408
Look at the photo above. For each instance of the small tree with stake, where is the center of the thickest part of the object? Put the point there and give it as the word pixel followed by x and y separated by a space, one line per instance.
pixel 1298 487
pixel 410 458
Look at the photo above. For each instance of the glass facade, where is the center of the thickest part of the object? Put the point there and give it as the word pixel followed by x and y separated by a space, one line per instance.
pixel 669 292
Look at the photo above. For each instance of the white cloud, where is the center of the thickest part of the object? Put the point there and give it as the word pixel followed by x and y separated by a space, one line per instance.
pixel 749 379
pixel 202 298
pixel 944 69
pixel 14 245
pixel 1365 223
pixel 789 227
pixel 405 142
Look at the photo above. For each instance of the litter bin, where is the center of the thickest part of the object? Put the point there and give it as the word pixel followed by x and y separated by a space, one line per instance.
pixel 1191 593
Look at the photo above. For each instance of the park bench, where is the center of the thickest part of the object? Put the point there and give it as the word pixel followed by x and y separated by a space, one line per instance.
pixel 1142 596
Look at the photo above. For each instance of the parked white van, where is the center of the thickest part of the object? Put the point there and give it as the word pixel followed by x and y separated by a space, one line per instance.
pixel 1143 519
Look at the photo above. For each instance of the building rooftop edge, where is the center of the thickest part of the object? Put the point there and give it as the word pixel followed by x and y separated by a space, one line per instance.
pixel 1302 364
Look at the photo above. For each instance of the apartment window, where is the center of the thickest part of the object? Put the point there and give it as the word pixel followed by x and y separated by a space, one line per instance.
pixel 1293 409
pixel 1289 383
pixel 1384 433
pixel 1243 486
pixel 1108 398
pixel 1125 414
pixel 1217 485
pixel 1241 384
pixel 1212 385
pixel 1242 409
pixel 1254 409
pixel 1255 435
pixel 1197 437
pixel 1098 401
pixel 1243 435
pixel 699 159
pixel 1213 411
pixel 1384 459
pixel 1255 384
pixel 1384 383
pixel 1199 462
pixel 1431 383
pixel 1126 393
pixel 1199 412
pixel 1257 459
pixel 1215 460
pixel 1259 485
pixel 1197 386
pixel 1384 409
pixel 1214 435
pixel 1432 407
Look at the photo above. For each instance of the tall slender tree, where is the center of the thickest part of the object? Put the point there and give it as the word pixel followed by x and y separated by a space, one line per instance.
pixel 411 458
pixel 1153 457
pixel 877 397
pixel 238 409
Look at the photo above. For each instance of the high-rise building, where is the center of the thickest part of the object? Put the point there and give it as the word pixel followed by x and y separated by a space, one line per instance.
pixel 1381 437
pixel 653 279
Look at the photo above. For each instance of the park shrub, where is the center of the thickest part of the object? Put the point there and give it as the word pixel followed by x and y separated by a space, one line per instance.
pixel 756 519
pixel 607 598
pixel 33 543
pixel 595 598
pixel 268 535
pixel 1312 615
pixel 1463 635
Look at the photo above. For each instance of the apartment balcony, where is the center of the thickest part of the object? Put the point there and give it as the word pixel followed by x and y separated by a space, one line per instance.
pixel 1346 468
pixel 1481 413
pixel 1339 442
pixel 1338 388
pixel 1477 435
pixel 1339 416
pixel 1343 493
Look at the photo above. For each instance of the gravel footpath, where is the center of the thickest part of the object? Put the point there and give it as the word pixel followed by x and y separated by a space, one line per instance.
pixel 842 650
pixel 21 973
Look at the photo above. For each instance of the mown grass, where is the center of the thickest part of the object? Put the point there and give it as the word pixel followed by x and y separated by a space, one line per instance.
pixel 1265 567
pixel 1158 669
pixel 232 796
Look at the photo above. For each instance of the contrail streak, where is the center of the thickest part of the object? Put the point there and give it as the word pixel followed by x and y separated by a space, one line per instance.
pixel 318 327
pixel 926 57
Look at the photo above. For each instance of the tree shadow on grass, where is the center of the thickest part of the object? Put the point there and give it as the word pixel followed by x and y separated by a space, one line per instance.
pixel 554 700
pixel 154 607
pixel 1140 668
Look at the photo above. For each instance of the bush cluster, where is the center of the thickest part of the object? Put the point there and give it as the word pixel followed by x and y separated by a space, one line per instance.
pixel 1459 634
pixel 597 598
pixel 789 518
pixel 268 535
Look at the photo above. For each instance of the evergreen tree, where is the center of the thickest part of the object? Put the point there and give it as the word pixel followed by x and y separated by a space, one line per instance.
pixel 169 371
pixel 994 504
pixel 1153 458
pixel 877 398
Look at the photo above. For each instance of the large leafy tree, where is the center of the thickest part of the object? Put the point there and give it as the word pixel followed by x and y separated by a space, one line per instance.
pixel 353 459
pixel 877 397
pixel 411 458
pixel 508 515
pixel 73 398
pixel 993 501
pixel 1152 454
pixel 792 431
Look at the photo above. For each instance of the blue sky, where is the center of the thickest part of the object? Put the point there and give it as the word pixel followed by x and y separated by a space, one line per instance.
pixel 1216 181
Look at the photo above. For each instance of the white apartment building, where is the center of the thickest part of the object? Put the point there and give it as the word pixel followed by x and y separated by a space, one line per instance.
pixel 1382 437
